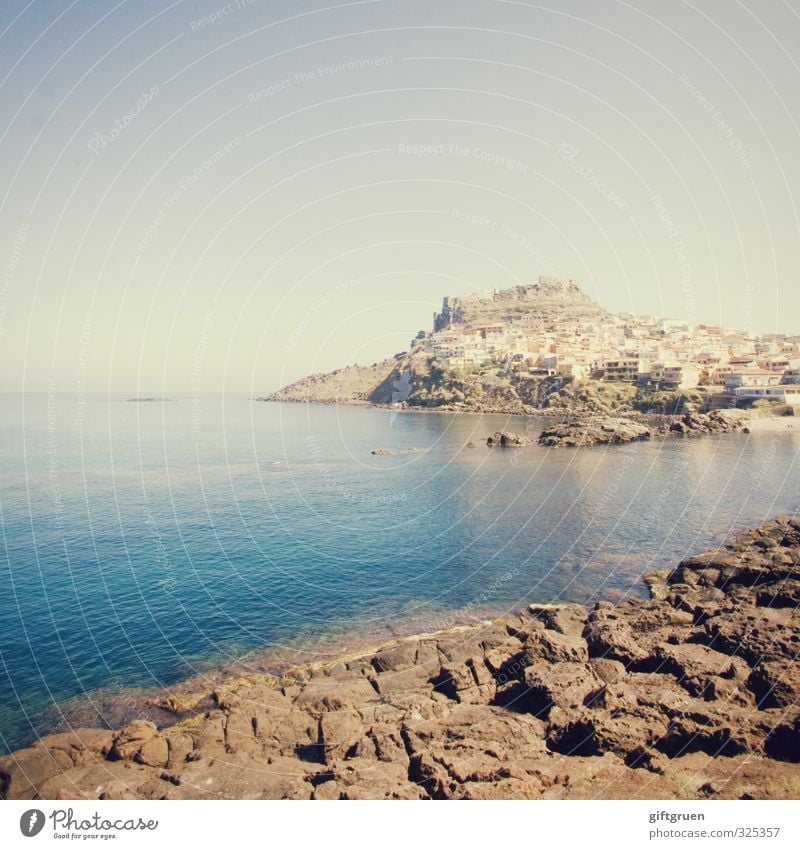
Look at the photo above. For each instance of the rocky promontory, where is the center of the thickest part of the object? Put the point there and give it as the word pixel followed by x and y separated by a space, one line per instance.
pixel 692 694
pixel 597 430
pixel 579 431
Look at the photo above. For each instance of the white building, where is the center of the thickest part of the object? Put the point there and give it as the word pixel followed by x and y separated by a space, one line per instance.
pixel 785 393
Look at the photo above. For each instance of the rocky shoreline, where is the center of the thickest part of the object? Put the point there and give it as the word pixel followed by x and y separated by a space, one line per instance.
pixel 694 693
pixel 601 430
pixel 581 428
pixel 614 430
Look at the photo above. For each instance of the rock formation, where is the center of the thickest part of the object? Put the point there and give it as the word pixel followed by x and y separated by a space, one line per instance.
pixel 551 297
pixel 597 430
pixel 694 693
pixel 693 423
pixel 507 439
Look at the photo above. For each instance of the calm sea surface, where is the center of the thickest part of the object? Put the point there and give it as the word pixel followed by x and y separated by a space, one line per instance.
pixel 144 542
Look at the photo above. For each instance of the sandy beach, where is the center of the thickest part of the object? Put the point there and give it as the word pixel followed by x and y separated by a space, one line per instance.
pixel 774 424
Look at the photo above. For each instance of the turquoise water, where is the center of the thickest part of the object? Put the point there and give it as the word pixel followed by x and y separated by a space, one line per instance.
pixel 144 541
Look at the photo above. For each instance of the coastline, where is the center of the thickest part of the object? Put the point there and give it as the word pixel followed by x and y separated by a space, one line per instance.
pixel 556 701
pixel 759 422
pixel 116 706
pixel 751 422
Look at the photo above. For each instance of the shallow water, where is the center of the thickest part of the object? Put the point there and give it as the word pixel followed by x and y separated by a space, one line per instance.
pixel 146 542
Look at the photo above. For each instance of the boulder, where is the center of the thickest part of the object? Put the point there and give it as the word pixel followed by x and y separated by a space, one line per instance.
pixel 395 657
pixel 130 739
pixel 507 439
pixel 613 639
pixel 339 733
pixel 556 647
pixel 23 772
pixel 155 752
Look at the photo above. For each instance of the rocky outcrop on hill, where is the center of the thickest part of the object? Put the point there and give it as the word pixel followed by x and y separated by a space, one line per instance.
pixel 551 297
pixel 597 430
pixel 694 693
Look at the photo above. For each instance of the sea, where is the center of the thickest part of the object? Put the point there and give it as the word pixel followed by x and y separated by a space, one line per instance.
pixel 150 542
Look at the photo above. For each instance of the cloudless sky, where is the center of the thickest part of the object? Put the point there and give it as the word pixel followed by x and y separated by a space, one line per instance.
pixel 211 196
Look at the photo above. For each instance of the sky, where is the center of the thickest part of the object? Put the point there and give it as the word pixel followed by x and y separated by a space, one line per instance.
pixel 212 196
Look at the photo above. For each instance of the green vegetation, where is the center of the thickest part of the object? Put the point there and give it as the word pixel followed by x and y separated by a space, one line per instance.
pixel 771 408
pixel 595 396
pixel 667 401
pixel 419 380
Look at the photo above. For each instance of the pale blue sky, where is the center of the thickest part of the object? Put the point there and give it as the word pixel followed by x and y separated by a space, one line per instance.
pixel 257 218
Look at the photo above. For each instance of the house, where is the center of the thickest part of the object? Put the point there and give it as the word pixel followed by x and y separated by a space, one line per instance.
pixel 675 375
pixel 570 368
pixel 783 393
pixel 550 361
pixel 750 377
pixel 779 364
pixel 709 358
pixel 625 369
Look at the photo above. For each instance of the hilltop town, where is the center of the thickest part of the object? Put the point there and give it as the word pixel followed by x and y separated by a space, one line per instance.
pixel 548 346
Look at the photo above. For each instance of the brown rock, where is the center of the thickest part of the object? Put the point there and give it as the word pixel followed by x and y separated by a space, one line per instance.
pixel 155 752
pixel 24 771
pixel 757 635
pixel 613 639
pixel 545 686
pixel 326 694
pixel 396 657
pixel 775 684
pixel 470 681
pixel 507 439
pixel 564 618
pixel 338 734
pixel 608 671
pixel 130 739
pixel 556 647
pixel 412 678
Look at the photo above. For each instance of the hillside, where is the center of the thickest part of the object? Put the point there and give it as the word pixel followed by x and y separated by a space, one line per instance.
pixel 541 347
pixel 349 385
pixel 416 379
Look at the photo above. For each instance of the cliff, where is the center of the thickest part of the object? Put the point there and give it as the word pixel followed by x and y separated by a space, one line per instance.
pixel 693 694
